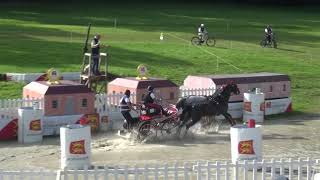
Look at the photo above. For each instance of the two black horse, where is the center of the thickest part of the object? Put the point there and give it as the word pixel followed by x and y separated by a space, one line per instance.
pixel 196 107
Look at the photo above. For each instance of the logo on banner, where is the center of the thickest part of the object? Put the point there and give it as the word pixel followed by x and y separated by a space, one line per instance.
pixel 77 147
pixel 247 106
pixel 246 147
pixel 93 121
pixel 35 125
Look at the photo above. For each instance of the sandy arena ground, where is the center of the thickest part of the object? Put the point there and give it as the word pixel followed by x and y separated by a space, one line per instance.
pixel 293 137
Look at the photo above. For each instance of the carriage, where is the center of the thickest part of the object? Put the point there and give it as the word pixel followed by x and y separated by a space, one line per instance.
pixel 203 109
pixel 153 123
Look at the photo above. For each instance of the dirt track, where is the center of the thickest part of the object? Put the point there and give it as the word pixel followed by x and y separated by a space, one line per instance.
pixel 294 137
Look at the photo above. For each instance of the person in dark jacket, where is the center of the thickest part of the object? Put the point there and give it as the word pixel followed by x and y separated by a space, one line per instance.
pixel 95 53
pixel 150 97
pixel 149 101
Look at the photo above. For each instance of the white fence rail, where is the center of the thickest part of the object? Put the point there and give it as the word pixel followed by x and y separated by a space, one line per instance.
pixel 9 107
pixel 293 169
pixel 104 102
pixel 109 103
pixel 196 91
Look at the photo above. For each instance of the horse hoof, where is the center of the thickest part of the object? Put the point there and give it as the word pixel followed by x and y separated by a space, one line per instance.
pixel 183 132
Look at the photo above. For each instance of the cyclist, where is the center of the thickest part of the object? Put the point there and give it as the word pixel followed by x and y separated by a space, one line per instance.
pixel 202 33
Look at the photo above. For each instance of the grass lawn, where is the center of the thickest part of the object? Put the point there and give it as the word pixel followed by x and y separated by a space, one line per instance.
pixel 35 37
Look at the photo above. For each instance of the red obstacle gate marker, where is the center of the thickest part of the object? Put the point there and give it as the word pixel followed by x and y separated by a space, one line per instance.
pixel 251 123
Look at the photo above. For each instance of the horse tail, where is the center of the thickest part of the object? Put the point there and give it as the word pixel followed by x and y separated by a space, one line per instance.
pixel 181 102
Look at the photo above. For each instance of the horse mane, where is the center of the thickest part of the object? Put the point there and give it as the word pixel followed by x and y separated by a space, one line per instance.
pixel 217 92
pixel 181 102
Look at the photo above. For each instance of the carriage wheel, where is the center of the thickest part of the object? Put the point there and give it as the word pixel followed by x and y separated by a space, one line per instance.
pixel 167 127
pixel 146 129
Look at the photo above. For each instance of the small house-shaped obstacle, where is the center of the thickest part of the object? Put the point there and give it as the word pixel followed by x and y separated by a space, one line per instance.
pixel 163 88
pixel 274 85
pixel 62 99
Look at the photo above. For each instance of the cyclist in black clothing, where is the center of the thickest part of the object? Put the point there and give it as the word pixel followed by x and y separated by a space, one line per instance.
pixel 269 33
pixel 202 33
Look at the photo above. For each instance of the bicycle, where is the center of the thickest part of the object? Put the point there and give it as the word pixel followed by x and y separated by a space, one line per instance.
pixel 209 41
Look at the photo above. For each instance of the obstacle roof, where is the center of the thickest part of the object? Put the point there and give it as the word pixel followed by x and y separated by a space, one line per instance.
pixel 65 87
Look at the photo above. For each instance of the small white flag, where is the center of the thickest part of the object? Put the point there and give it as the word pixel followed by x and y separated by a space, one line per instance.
pixel 161 36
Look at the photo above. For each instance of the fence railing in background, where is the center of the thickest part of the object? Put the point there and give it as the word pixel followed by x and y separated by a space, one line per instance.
pixel 104 103
pixel 293 169
pixel 196 91
pixel 9 107
pixel 109 103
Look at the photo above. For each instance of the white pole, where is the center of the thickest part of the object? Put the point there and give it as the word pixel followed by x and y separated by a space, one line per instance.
pixel 217 64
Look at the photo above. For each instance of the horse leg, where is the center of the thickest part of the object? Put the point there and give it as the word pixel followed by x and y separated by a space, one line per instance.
pixel 184 118
pixel 232 120
pixel 195 117
pixel 229 118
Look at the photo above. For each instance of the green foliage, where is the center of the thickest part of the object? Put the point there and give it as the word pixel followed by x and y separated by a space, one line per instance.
pixel 37 37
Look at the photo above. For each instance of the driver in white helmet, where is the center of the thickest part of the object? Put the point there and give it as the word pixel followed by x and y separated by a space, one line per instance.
pixel 269 33
pixel 202 33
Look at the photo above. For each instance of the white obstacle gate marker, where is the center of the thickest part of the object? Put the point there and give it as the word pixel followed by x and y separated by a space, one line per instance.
pixel 253 106
pixel 246 143
pixel 75 146
pixel 30 126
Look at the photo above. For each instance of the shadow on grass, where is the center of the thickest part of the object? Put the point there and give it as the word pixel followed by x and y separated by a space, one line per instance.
pixel 290 50
pixel 29 54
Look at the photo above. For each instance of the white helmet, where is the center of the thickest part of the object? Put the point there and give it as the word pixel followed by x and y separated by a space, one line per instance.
pixel 202 25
